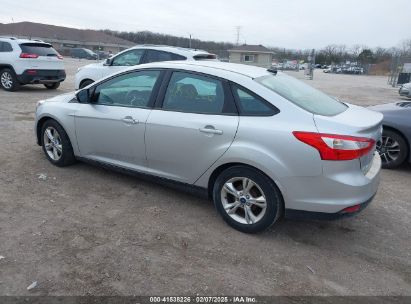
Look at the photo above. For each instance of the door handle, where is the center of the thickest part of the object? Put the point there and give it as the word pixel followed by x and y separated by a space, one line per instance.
pixel 211 130
pixel 129 120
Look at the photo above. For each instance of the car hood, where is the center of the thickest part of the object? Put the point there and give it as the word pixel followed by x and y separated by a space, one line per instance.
pixel 389 107
pixel 93 65
pixel 62 98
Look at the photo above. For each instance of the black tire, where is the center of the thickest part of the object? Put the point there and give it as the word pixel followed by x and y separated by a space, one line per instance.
pixel 387 161
pixel 274 201
pixel 85 83
pixel 9 74
pixel 52 86
pixel 67 155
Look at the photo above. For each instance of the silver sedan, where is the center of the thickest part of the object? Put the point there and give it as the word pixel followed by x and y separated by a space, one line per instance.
pixel 257 142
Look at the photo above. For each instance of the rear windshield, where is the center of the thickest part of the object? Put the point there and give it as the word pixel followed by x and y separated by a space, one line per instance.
pixel 303 95
pixel 40 49
pixel 205 57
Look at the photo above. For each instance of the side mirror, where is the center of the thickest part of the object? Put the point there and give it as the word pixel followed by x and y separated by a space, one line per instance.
pixel 83 96
pixel 109 61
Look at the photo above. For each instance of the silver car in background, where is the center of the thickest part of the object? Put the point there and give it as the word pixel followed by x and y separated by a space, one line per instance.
pixel 259 143
pixel 405 90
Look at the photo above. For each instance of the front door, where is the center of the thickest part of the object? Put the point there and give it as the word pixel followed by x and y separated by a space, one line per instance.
pixel 111 128
pixel 195 126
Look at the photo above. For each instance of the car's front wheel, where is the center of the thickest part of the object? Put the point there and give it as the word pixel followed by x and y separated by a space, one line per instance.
pixel 393 149
pixel 52 86
pixel 247 199
pixel 56 144
pixel 8 80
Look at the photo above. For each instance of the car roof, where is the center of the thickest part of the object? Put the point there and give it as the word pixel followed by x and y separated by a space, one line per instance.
pixel 18 40
pixel 216 68
pixel 172 49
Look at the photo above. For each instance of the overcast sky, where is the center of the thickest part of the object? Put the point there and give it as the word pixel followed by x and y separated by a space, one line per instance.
pixel 289 24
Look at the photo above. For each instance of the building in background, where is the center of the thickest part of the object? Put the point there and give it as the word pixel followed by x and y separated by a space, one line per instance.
pixel 65 38
pixel 257 55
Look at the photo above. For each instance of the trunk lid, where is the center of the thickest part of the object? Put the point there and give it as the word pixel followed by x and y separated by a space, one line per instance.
pixel 48 58
pixel 355 121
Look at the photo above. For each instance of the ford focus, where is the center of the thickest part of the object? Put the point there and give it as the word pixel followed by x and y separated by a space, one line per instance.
pixel 259 143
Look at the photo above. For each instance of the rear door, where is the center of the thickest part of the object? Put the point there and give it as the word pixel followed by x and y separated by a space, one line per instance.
pixel 40 56
pixel 195 124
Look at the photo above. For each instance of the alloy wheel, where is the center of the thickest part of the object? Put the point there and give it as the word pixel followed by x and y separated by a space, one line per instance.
pixel 243 200
pixel 52 143
pixel 6 80
pixel 389 149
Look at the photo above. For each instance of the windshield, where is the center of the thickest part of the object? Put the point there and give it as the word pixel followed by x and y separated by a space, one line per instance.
pixel 89 51
pixel 302 95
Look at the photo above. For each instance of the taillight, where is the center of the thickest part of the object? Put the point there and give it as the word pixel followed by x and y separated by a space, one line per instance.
pixel 351 209
pixel 337 147
pixel 59 56
pixel 28 55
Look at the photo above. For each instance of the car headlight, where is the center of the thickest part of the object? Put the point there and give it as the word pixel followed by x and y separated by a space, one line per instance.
pixel 39 103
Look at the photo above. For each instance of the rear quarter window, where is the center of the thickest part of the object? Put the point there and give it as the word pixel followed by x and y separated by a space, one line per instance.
pixel 205 57
pixel 302 95
pixel 40 49
pixel 5 47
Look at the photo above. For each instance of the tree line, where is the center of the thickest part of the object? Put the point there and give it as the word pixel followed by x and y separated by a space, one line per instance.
pixel 147 37
pixel 337 53
pixel 332 53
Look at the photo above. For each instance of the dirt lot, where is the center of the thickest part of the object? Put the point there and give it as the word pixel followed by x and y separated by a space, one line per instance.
pixel 85 230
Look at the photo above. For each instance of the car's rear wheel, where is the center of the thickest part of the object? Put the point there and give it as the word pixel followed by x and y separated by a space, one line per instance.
pixel 8 80
pixel 56 144
pixel 52 86
pixel 393 149
pixel 85 83
pixel 247 199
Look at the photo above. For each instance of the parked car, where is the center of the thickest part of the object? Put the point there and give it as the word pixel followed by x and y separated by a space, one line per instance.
pixel 405 90
pixel 395 145
pixel 102 55
pixel 24 61
pixel 134 56
pixel 83 53
pixel 260 143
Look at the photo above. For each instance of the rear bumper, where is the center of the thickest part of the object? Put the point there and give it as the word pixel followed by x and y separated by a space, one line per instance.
pixel 34 76
pixel 341 186
pixel 301 214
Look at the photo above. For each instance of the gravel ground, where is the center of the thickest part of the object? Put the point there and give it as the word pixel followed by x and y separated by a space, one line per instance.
pixel 84 230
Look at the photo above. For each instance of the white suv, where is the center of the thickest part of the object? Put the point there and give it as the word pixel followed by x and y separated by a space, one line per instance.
pixel 133 56
pixel 25 61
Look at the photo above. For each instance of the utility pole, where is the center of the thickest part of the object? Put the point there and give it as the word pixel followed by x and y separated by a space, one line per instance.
pixel 238 30
pixel 189 42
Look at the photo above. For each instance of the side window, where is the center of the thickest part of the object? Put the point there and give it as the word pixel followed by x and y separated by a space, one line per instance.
pixel 128 90
pixel 155 56
pixel 129 58
pixel 193 93
pixel 5 47
pixel 252 105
